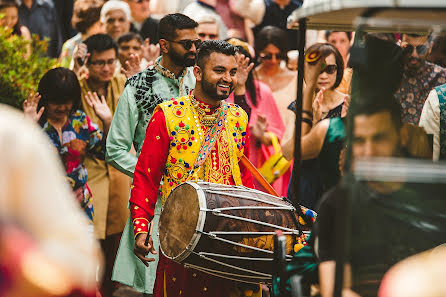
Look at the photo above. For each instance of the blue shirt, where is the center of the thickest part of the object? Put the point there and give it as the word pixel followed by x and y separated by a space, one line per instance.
pixel 42 20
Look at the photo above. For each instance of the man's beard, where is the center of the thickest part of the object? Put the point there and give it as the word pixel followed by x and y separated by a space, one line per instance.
pixel 413 69
pixel 212 91
pixel 180 60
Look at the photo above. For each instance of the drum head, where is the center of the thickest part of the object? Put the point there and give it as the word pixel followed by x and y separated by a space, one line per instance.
pixel 178 221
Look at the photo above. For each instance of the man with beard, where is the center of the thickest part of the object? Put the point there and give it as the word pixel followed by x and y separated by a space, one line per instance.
pixel 419 77
pixel 189 138
pixel 170 77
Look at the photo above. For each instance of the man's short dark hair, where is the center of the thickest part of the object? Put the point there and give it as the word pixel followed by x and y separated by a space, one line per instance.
pixel 128 37
pixel 172 22
pixel 214 46
pixel 328 33
pixel 370 104
pixel 100 43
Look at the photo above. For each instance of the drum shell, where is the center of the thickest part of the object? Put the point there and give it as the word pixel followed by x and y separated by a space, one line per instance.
pixel 240 256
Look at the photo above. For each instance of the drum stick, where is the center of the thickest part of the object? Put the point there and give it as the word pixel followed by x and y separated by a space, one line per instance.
pixel 258 176
pixel 146 243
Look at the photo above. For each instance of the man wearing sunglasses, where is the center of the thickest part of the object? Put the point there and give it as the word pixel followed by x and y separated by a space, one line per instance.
pixel 419 76
pixel 170 77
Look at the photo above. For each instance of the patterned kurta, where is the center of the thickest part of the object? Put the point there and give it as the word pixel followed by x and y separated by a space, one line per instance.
pixel 79 137
pixel 143 92
pixel 415 89
pixel 172 144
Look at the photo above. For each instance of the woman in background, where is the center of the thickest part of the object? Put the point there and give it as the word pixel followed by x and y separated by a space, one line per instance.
pixel 56 108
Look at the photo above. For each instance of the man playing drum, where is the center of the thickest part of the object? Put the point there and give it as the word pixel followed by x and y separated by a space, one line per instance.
pixel 198 136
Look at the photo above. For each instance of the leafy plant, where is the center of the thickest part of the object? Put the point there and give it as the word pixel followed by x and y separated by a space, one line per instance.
pixel 20 75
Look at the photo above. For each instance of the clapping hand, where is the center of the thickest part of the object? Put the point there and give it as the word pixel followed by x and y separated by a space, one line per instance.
pixel 132 66
pixel 99 105
pixel 30 107
pixel 317 106
pixel 150 51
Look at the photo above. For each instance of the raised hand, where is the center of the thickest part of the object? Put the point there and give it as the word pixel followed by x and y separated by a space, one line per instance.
pixel 150 51
pixel 30 107
pixel 132 66
pixel 317 106
pixel 345 107
pixel 99 106
pixel 312 71
pixel 80 56
pixel 244 67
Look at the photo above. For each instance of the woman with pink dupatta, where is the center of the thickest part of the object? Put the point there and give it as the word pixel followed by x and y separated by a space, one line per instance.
pixel 264 117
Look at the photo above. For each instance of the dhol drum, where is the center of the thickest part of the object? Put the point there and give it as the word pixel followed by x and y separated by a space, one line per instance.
pixel 227 231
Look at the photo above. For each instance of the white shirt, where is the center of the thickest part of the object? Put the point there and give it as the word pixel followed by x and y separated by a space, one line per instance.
pixel 430 121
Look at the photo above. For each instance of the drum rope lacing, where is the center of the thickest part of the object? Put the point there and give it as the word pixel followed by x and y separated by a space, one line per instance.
pixel 218 274
pixel 236 243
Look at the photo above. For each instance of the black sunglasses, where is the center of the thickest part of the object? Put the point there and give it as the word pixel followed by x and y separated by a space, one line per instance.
pixel 187 43
pixel 270 56
pixel 421 49
pixel 330 69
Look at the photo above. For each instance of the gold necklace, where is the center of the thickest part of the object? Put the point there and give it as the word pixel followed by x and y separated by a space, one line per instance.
pixel 207 120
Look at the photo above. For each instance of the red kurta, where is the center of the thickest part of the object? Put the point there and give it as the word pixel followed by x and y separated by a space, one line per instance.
pixel 172 279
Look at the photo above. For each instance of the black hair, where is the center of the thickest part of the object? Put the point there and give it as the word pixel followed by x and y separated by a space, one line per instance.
pixel 378 67
pixel 328 33
pixel 214 46
pixel 12 3
pixel 130 36
pixel 59 86
pixel 172 22
pixel 370 104
pixel 85 14
pixel 100 43
pixel 327 49
pixel 438 50
pixel 271 35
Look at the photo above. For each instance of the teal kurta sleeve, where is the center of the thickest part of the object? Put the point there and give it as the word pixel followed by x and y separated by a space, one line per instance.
pixel 121 134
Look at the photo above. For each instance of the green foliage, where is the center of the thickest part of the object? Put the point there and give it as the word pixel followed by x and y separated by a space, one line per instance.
pixel 19 75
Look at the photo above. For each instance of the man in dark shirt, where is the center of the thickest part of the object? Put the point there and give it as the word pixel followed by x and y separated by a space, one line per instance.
pixel 40 17
pixel 419 76
pixel 276 14
pixel 390 220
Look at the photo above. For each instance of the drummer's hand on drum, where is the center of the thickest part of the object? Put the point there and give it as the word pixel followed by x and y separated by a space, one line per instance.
pixel 141 249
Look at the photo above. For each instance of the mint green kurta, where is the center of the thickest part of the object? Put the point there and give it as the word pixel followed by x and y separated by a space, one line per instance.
pixel 143 92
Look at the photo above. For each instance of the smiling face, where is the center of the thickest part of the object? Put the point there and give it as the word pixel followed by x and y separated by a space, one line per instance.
pixel 116 23
pixel 11 17
pixel 218 78
pixel 58 112
pixel 327 80
pixel 101 66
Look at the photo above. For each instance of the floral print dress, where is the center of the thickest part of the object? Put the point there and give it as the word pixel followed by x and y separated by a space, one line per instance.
pixel 79 137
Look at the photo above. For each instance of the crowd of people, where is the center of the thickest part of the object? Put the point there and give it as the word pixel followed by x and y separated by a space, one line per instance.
pixel 149 94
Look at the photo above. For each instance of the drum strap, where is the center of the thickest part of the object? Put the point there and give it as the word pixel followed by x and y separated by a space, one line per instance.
pixel 212 135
